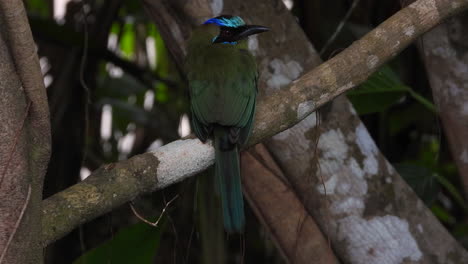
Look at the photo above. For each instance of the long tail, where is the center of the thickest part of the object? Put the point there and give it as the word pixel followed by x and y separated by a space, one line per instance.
pixel 227 173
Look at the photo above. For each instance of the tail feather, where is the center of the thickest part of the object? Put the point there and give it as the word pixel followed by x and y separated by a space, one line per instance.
pixel 227 173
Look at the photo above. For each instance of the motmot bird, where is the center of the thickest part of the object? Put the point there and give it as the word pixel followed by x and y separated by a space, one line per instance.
pixel 222 77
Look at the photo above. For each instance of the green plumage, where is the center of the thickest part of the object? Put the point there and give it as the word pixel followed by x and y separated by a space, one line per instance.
pixel 222 80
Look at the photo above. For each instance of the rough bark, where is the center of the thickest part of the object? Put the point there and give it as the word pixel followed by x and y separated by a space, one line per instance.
pixel 24 138
pixel 277 112
pixel 277 206
pixel 445 51
pixel 365 196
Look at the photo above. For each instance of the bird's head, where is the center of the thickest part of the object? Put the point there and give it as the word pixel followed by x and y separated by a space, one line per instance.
pixel 228 29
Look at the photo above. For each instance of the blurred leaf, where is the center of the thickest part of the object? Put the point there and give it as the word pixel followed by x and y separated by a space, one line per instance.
pixel 138 243
pixel 413 114
pixel 382 90
pixel 422 180
pixel 38 7
pixel 124 86
pixel 162 93
pixel 378 93
pixel 115 28
pixel 124 112
pixel 461 230
pixel 442 214
pixel 419 98
pixel 64 34
pixel 127 41
pixel 453 191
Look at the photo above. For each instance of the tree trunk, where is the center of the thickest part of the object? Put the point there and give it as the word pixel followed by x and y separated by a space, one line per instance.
pixel 24 140
pixel 445 51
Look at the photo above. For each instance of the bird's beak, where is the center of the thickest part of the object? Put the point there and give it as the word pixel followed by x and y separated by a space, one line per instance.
pixel 249 30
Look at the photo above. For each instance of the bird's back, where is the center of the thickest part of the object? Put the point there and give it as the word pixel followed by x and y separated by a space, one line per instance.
pixel 222 83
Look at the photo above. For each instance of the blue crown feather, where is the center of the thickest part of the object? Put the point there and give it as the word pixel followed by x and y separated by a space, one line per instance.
pixel 234 21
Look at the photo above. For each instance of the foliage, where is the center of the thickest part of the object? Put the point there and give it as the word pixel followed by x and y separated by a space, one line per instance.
pixel 135 244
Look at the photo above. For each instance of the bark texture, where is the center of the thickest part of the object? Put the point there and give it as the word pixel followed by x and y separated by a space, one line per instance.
pixel 445 51
pixel 24 138
pixel 277 206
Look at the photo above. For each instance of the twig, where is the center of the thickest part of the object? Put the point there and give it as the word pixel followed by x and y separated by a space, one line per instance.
pixel 155 224
pixel 189 243
pixel 16 225
pixel 83 83
pixel 340 27
pixel 18 134
pixel 318 117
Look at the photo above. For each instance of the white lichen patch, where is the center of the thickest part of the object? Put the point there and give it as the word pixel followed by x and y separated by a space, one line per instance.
pixel 464 156
pixel 426 8
pixel 329 187
pixel 420 228
pixel 371 165
pixel 409 30
pixel 372 61
pixel 181 159
pixel 351 205
pixel 355 168
pixel 368 149
pixel 216 7
pixel 390 168
pixel 333 145
pixel 351 109
pixel 252 43
pixel 382 239
pixel 464 109
pixel 262 126
pixel 282 73
pixel 453 89
pixel 364 141
pixel 381 33
pixel 298 153
pixel 305 108
pixel 443 51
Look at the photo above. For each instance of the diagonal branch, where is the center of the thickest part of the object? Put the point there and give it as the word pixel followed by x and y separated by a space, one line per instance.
pixel 114 185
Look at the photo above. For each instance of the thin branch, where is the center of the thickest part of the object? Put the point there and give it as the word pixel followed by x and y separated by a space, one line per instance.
pixel 103 190
pixel 26 202
pixel 339 27
pixel 155 224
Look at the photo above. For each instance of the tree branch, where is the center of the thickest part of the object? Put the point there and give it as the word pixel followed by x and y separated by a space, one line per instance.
pixel 107 189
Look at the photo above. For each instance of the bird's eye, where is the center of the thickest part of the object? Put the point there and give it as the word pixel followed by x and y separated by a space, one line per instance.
pixel 226 33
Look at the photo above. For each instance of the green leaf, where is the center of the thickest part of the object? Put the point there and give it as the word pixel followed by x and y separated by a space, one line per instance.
pixel 162 93
pixel 442 214
pixel 413 114
pixel 120 87
pixel 382 90
pixel 38 7
pixel 422 180
pixel 127 41
pixel 420 99
pixel 453 191
pixel 134 244
pixel 379 92
pixel 124 112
